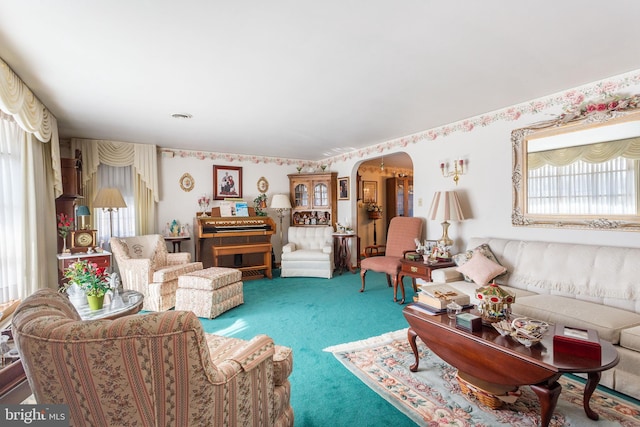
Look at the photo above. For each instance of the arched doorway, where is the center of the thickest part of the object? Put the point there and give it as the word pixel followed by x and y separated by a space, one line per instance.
pixel 377 179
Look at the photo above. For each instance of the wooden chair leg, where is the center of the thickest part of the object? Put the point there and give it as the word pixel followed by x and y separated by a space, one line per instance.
pixel 400 284
pixel 389 280
pixel 362 273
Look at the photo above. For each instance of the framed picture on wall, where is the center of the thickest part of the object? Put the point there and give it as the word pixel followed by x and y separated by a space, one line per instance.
pixel 370 192
pixel 227 182
pixel 343 188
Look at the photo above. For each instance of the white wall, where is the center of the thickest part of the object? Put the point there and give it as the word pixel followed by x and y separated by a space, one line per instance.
pixel 485 189
pixel 182 206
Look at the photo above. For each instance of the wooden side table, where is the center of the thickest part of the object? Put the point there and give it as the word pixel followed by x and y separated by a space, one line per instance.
pixel 177 241
pixel 418 270
pixel 342 251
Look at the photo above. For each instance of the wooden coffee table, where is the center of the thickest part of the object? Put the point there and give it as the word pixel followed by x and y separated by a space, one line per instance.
pixel 501 360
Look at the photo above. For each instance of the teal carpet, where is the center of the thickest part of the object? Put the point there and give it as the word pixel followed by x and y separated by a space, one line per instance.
pixel 308 315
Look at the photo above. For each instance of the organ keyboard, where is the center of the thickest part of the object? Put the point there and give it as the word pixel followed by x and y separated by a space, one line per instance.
pixel 243 243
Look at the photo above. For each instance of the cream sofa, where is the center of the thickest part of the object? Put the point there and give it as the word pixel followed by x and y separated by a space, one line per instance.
pixel 585 286
pixel 308 253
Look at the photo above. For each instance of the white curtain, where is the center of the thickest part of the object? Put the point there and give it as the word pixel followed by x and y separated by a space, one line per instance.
pixel 583 188
pixel 123 220
pixel 27 214
pixel 141 157
pixel 591 153
pixel 30 179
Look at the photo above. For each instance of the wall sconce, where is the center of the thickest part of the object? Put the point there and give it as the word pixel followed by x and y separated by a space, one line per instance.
pixel 458 169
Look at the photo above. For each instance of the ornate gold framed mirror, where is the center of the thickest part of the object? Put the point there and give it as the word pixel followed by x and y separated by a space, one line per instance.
pixel 580 170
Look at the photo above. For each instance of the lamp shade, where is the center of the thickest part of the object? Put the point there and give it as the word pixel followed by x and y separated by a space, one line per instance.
pixel 109 198
pixel 280 201
pixel 445 207
pixel 83 211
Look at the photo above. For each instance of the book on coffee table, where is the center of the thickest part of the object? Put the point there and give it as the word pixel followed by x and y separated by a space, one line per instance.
pixel 434 311
pixel 438 296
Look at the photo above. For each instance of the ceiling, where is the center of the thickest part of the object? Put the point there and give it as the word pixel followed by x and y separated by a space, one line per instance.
pixel 303 79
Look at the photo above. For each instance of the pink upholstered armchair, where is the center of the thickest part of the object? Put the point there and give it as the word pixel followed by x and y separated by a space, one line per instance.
pixel 146 266
pixel 156 369
pixel 401 237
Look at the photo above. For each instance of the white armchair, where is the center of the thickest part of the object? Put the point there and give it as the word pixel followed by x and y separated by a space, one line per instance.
pixel 308 253
pixel 146 266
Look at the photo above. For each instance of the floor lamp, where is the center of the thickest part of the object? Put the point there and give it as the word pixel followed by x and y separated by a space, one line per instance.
pixel 109 199
pixel 280 203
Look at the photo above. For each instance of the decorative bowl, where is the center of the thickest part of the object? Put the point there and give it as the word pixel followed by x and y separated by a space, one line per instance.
pixel 503 327
pixel 527 340
pixel 529 325
pixel 528 331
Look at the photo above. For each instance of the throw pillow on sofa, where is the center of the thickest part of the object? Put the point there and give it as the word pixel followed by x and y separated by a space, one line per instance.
pixel 463 257
pixel 481 269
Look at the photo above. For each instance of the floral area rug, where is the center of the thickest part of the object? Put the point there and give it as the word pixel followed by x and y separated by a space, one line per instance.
pixel 432 396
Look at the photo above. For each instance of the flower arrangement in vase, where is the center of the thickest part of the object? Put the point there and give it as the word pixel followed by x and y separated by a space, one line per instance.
pixel 65 225
pixel 374 211
pixel 203 202
pixel 93 280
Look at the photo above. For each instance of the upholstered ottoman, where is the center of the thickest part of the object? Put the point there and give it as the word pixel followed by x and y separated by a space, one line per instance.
pixel 210 292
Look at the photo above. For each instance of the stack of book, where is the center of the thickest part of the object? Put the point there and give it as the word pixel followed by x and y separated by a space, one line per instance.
pixel 435 298
pixel 413 256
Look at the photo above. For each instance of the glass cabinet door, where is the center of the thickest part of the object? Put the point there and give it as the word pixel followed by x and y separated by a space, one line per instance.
pixel 320 195
pixel 301 195
pixel 400 200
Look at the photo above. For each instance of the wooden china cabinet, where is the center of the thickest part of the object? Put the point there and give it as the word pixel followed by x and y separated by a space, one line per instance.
pixel 399 197
pixel 313 198
pixel 71 171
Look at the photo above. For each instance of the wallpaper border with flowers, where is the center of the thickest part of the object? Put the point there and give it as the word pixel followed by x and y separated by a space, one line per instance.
pixel 569 101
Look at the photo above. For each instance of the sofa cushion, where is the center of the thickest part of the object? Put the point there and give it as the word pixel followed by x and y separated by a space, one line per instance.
pixel 630 338
pixel 609 322
pixel 471 288
pixel 484 249
pixel 481 269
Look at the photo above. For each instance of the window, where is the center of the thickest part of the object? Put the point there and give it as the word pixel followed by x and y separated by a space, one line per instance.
pixel 123 220
pixel 11 208
pixel 580 188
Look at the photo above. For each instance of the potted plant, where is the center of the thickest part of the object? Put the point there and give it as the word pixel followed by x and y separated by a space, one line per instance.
pixel 93 280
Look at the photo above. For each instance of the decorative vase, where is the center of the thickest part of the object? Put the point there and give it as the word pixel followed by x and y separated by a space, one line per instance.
pixel 64 245
pixel 95 303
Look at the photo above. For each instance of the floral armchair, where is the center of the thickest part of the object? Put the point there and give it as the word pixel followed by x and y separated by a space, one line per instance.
pixel 156 369
pixel 146 266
